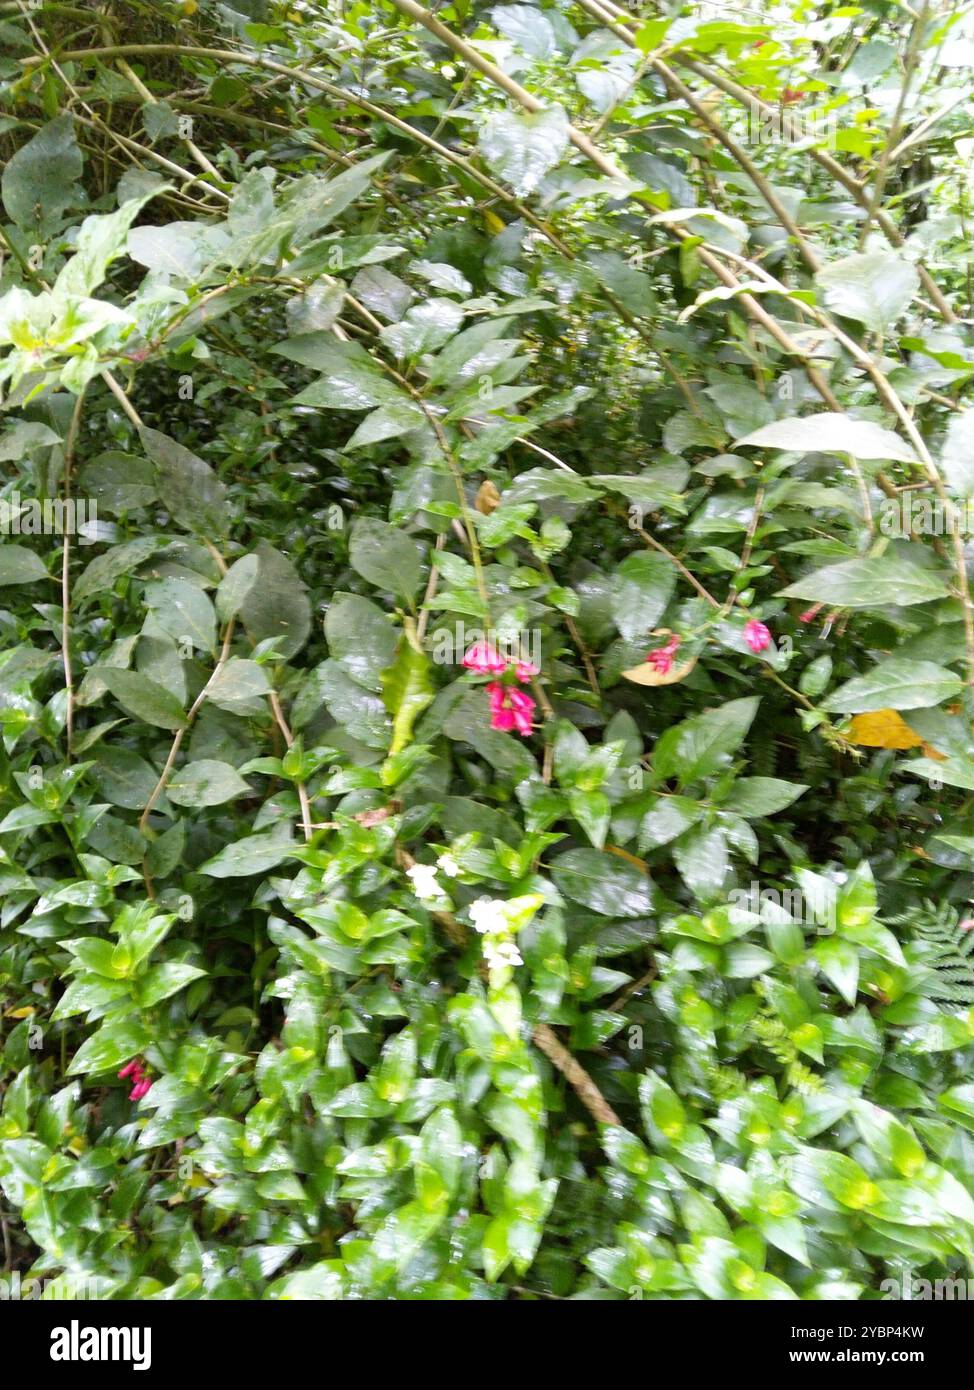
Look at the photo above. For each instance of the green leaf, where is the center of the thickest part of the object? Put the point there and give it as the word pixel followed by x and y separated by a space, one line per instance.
pixel 178 249
pixel 523 146
pixel 762 796
pixel 361 637
pixel 123 777
pixel 235 585
pixel 874 288
pixel 277 605
pixel 839 963
pixel 701 746
pixel 253 855
pixel 385 557
pixel 39 178
pixel 239 687
pixel 106 1050
pixel 184 611
pixel 527 27
pixel 831 433
pixel 957 457
pixel 119 482
pixel 101 239
pixel 142 698
pixel 641 589
pixel 188 487
pixel 105 570
pixel 206 783
pixel 406 688
pixel 869 584
pixel 603 883
pixel 18 565
pixel 388 422
pixel 351 379
pixel 896 684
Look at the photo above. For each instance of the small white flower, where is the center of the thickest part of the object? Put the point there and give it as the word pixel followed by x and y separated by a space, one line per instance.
pixel 448 864
pixel 488 915
pixel 498 953
pixel 424 881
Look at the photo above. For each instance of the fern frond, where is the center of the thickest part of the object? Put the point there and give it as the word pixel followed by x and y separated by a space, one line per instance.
pixel 948 948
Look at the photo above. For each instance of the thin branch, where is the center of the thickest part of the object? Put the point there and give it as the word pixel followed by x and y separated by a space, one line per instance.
pixel 576 1076
pixel 69 451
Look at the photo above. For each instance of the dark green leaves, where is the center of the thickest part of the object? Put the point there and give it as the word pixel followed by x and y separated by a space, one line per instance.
pixel 385 557
pixel 701 746
pixel 276 605
pixel 642 587
pixel 142 698
pixel 38 181
pixel 187 486
pixel 603 883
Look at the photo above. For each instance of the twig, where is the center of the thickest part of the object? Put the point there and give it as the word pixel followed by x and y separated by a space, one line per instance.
pixel 69 450
pixel 576 1076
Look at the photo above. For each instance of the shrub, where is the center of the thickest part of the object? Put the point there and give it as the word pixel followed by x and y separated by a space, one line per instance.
pixel 485 701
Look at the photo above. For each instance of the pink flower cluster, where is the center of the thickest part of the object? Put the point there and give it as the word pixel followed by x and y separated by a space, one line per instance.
pixel 510 708
pixel 135 1072
pixel 661 658
pixel 756 635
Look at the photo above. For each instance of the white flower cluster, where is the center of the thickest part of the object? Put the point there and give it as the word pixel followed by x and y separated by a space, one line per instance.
pixel 426 885
pixel 490 918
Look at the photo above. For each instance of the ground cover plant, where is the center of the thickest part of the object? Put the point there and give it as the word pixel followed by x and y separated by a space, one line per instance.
pixel 488 649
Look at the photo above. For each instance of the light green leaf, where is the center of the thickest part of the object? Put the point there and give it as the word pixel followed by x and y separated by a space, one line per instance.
pixel 896 684
pixel 19 565
pixel 524 146
pixel 831 433
pixel 873 288
pixel 641 589
pixel 869 584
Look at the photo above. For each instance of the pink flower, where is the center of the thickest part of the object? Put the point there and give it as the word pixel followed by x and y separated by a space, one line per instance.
pixel 524 670
pixel 966 925
pixel 756 635
pixel 509 709
pixel 484 659
pixel 135 1071
pixel 809 615
pixel 523 706
pixel 661 658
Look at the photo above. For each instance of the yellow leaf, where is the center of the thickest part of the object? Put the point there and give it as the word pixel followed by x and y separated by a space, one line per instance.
pixel 883 728
pixel 488 498
pixel 494 223
pixel 25 1012
pixel 648 675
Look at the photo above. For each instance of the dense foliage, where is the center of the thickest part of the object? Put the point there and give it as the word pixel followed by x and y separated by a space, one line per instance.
pixel 488 649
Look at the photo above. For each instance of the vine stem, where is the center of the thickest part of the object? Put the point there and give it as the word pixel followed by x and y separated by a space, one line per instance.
pixel 194 709
pixel 69 451
pixel 910 63
pixel 576 1076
